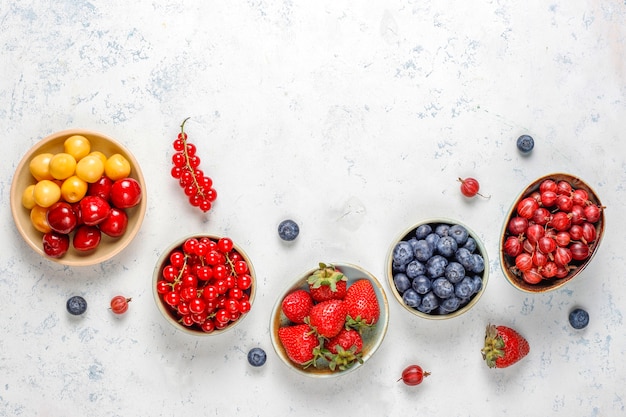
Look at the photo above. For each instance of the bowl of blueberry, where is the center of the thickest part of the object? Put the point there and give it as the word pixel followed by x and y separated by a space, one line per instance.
pixel 437 268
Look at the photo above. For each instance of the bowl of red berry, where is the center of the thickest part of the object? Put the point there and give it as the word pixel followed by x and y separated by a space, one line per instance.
pixel 204 284
pixel 437 268
pixel 551 233
pixel 78 197
pixel 330 321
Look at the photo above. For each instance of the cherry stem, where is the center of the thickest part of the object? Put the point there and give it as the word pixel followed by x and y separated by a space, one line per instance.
pixel 183 137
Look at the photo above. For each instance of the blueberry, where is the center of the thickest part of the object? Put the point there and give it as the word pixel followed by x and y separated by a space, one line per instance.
pixel 451 304
pixel 465 288
pixel 403 253
pixel 578 318
pixel 465 258
pixel 478 283
pixel 442 229
pixel 423 250
pixel 446 246
pixel 443 288
pixel 257 356
pixel 398 267
pixel 76 305
pixel 432 239
pixel 459 234
pixel 478 264
pixel 429 302
pixel 525 143
pixel 454 272
pixel 436 266
pixel 288 230
pixel 415 268
pixel 413 243
pixel 422 231
pixel 421 284
pixel 470 244
pixel 402 282
pixel 411 298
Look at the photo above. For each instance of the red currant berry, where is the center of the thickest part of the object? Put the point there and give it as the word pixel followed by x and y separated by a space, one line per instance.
pixel 225 245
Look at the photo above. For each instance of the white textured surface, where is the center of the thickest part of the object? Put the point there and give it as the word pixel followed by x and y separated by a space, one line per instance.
pixel 355 119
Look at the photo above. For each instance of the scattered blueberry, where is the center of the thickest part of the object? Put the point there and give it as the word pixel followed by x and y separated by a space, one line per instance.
pixel 403 253
pixel 525 143
pixel 76 305
pixel 288 230
pixel 578 318
pixel 411 298
pixel 402 282
pixel 257 356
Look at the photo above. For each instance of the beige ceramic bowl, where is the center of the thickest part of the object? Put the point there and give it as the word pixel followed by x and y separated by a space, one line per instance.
pixel 22 178
pixel 170 314
pixel 507 263
pixel 372 337
pixel 409 233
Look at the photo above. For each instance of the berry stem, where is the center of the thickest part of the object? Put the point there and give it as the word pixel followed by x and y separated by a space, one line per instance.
pixel 183 137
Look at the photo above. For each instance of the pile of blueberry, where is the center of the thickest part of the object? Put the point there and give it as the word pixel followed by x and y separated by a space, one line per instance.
pixel 437 268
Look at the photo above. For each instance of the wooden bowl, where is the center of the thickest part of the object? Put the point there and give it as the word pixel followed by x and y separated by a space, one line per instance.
pixel 507 263
pixel 170 314
pixel 22 178
pixel 409 233
pixel 372 337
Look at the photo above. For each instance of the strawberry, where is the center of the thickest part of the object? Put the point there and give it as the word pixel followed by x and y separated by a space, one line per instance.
pixel 361 305
pixel 503 346
pixel 328 318
pixel 327 283
pixel 297 305
pixel 343 350
pixel 300 343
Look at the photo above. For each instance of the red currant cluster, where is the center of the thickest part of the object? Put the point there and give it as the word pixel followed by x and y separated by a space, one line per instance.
pixel 197 186
pixel 552 231
pixel 206 284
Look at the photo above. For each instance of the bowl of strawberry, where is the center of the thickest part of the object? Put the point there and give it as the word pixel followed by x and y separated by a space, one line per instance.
pixel 78 197
pixel 204 284
pixel 551 233
pixel 330 321
pixel 437 268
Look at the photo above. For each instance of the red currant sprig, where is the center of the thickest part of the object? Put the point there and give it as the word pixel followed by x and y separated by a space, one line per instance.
pixel 197 187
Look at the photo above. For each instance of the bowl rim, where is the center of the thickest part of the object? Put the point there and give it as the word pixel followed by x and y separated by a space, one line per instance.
pixel 558 283
pixel 91 258
pixel 276 315
pixel 389 269
pixel 156 274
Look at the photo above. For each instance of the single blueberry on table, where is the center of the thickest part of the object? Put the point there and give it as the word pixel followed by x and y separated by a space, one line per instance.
pixel 421 284
pixel 288 230
pixel 257 357
pixel 443 288
pixel 459 234
pixel 422 231
pixel 403 253
pixel 579 318
pixel 436 266
pixel 525 143
pixel 402 282
pixel 423 251
pixel 454 272
pixel 76 305
pixel 415 268
pixel 411 298
pixel 447 246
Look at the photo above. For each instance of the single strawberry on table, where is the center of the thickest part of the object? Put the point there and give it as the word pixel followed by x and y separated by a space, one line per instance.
pixel 327 283
pixel 328 318
pixel 300 343
pixel 362 305
pixel 504 346
pixel 297 305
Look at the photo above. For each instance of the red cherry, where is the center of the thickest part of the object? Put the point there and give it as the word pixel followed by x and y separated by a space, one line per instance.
pixel 470 187
pixel 115 223
pixel 93 209
pixel 55 245
pixel 413 375
pixel 125 193
pixel 61 217
pixel 86 238
pixel 101 188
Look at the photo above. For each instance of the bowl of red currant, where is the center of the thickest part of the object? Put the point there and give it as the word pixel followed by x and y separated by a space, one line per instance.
pixel 78 197
pixel 437 268
pixel 204 284
pixel 551 233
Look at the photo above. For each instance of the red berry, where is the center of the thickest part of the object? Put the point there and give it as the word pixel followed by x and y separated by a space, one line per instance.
pixel 470 187
pixel 413 375
pixel 119 304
